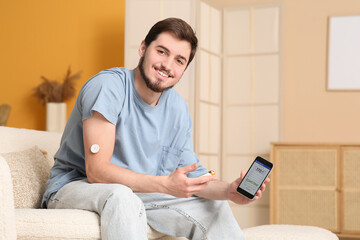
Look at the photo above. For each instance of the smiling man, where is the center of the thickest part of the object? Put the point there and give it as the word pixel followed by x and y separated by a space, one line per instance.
pixel 127 152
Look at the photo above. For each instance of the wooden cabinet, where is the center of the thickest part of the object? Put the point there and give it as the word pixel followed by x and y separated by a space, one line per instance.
pixel 318 185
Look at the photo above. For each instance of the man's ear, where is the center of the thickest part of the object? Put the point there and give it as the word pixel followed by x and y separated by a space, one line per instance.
pixel 142 48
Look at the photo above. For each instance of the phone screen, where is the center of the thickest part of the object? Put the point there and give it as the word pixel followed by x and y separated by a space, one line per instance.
pixel 254 177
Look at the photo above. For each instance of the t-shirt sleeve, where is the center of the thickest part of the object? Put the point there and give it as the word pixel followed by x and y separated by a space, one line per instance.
pixel 104 93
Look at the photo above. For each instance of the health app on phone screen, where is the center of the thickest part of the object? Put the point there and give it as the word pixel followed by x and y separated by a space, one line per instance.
pixel 254 177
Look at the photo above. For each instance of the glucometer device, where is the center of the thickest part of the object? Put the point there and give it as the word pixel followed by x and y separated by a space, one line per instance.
pixel 209 173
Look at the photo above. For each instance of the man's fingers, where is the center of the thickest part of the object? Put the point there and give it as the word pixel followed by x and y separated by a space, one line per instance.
pixel 258 194
pixel 237 181
pixel 195 188
pixel 201 180
pixel 242 175
pixel 188 168
pixel 195 185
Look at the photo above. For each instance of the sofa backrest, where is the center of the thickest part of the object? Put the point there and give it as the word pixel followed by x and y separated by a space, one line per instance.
pixel 18 139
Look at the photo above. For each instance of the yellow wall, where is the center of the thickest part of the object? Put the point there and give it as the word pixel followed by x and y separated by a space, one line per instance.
pixel 42 37
pixel 310 112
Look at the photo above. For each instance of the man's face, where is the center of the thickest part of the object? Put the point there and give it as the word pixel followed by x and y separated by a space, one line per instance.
pixel 164 61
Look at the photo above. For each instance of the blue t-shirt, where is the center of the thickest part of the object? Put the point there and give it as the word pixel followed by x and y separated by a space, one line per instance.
pixel 149 140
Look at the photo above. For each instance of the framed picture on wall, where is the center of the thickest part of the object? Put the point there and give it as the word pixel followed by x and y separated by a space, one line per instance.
pixel 343 53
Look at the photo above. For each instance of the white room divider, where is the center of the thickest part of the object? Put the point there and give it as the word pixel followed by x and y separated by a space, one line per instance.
pixel 251 95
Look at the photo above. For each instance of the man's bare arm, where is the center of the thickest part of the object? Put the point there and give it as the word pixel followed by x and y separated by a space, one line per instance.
pixel 99 169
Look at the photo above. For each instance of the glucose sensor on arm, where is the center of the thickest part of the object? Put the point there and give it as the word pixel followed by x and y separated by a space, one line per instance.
pixel 95 148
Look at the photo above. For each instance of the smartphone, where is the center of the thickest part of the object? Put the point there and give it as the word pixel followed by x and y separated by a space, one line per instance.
pixel 254 177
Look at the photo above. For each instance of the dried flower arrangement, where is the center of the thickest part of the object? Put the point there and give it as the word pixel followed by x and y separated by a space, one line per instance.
pixel 53 91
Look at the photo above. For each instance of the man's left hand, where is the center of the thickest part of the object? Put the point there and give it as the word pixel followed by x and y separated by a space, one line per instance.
pixel 238 198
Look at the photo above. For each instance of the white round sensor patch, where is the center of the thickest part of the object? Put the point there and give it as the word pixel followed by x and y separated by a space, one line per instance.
pixel 94 148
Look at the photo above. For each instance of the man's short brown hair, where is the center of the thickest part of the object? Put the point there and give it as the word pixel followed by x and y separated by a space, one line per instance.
pixel 179 28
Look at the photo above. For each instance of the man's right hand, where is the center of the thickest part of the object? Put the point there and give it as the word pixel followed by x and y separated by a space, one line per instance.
pixel 179 185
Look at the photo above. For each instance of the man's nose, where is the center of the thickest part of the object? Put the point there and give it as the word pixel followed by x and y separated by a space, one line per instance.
pixel 167 63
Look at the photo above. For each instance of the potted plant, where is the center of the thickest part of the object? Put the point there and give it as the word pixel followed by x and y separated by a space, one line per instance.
pixel 53 94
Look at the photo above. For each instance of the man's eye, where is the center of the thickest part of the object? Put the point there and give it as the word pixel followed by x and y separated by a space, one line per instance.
pixel 161 52
pixel 182 62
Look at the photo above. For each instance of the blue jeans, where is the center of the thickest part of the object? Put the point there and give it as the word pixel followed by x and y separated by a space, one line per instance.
pixel 124 214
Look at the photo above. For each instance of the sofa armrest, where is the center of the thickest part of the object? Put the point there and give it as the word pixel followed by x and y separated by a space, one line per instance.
pixel 7 211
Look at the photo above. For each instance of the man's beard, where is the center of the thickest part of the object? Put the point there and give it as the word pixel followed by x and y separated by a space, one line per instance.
pixel 154 86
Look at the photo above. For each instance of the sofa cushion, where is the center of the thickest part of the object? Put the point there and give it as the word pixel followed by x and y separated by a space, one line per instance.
pixel 56 224
pixel 29 171
pixel 49 224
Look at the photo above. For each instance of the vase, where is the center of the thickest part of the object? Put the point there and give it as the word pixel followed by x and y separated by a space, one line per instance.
pixel 55 116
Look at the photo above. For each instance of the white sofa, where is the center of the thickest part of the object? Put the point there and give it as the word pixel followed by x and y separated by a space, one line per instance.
pixel 25 160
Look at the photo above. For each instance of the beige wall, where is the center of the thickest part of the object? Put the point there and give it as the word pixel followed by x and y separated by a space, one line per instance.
pixel 310 112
